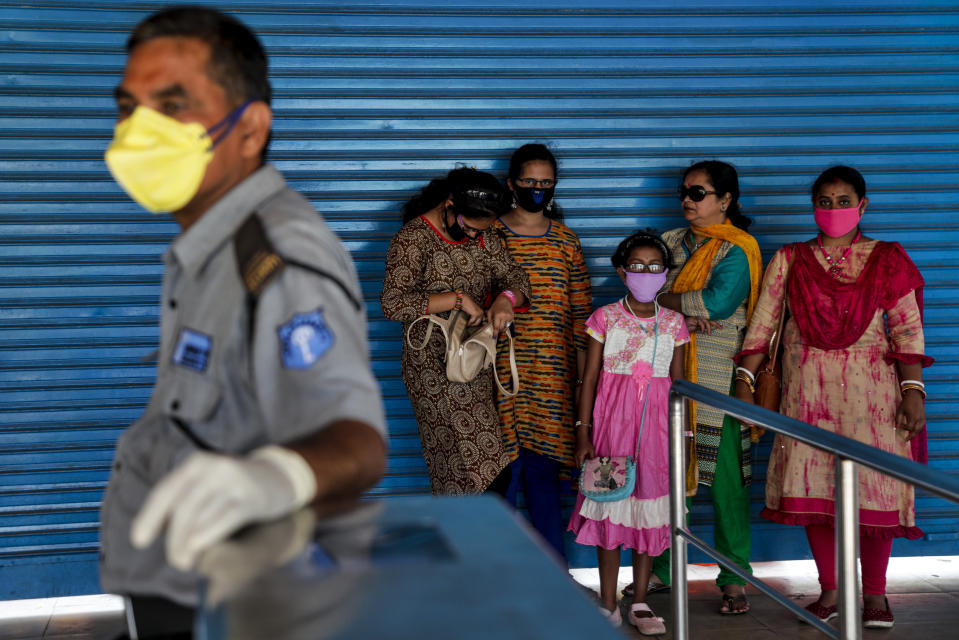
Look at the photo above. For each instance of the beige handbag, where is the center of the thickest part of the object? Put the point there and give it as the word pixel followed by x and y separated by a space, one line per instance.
pixel 468 350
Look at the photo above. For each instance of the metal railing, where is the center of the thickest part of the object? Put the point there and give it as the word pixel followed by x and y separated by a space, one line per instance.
pixel 848 454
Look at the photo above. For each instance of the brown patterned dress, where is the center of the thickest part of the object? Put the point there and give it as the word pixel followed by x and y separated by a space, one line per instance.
pixel 458 422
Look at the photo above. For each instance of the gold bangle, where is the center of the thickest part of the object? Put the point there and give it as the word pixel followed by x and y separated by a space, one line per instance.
pixel 746 381
pixel 913 387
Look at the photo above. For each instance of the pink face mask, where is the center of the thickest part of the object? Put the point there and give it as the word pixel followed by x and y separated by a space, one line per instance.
pixel 645 286
pixel 836 223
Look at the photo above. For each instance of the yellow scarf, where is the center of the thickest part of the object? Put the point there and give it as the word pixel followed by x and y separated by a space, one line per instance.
pixel 693 277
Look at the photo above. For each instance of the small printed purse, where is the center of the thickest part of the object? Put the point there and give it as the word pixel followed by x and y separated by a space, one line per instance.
pixel 613 478
pixel 608 478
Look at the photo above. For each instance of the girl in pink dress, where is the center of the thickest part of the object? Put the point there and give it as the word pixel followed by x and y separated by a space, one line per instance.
pixel 636 349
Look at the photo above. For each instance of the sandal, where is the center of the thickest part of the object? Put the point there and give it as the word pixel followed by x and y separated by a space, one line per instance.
pixel 654 587
pixel 735 605
pixel 649 624
pixel 877 618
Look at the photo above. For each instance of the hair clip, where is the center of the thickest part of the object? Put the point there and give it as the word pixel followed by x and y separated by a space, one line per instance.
pixel 479 194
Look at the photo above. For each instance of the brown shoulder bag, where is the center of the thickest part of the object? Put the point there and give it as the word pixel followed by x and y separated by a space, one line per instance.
pixel 769 376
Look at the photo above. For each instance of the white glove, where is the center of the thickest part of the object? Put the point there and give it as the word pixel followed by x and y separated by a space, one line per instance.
pixel 210 496
pixel 230 565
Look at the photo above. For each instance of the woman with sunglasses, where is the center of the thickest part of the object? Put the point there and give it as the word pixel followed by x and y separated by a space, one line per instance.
pixel 444 258
pixel 715 285
pixel 550 339
pixel 853 353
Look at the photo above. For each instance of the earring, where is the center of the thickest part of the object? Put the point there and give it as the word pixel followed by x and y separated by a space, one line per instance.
pixel 722 209
pixel 514 204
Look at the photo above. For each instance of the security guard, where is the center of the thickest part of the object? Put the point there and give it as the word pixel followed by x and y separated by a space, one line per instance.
pixel 264 399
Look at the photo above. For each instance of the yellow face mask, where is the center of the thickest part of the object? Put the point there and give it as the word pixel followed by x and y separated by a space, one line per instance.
pixel 160 162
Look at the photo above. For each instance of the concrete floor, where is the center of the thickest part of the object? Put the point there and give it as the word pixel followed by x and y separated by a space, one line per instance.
pixel 923 594
pixel 98 617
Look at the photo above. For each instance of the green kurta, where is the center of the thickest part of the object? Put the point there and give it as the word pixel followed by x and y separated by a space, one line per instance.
pixel 724 300
pixel 726 469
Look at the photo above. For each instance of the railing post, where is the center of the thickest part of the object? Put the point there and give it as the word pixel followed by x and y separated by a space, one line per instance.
pixel 848 453
pixel 847 548
pixel 677 510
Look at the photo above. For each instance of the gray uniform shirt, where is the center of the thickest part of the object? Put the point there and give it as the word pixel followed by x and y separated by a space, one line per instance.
pixel 306 365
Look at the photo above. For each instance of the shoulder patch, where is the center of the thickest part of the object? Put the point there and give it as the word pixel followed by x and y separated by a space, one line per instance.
pixel 192 350
pixel 304 340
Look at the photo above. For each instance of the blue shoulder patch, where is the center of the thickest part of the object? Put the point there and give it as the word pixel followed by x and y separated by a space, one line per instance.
pixel 304 340
pixel 192 350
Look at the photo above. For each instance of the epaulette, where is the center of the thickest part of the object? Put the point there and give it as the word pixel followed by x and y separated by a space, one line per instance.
pixel 259 264
pixel 256 258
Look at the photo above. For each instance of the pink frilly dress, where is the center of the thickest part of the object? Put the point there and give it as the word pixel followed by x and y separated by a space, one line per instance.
pixel 641 521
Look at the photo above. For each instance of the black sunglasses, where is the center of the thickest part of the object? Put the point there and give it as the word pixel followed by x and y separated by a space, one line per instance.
pixel 696 193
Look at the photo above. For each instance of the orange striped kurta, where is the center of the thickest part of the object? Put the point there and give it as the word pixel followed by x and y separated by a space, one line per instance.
pixel 541 416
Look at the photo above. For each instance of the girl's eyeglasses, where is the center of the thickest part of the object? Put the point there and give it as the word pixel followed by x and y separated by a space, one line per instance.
pixel 696 193
pixel 639 267
pixel 531 182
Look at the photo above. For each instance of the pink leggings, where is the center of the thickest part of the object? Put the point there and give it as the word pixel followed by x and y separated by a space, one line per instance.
pixel 873 558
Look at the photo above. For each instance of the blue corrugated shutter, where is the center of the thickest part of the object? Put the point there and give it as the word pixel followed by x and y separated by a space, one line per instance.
pixel 375 98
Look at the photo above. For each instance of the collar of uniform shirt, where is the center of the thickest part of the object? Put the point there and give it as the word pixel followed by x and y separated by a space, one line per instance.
pixel 194 246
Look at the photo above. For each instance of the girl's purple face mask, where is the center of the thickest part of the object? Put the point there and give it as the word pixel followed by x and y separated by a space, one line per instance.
pixel 645 286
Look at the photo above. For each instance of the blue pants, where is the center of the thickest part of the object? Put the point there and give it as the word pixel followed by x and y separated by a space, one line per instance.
pixel 538 477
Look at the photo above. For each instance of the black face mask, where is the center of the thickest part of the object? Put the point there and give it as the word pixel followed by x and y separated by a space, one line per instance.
pixel 455 230
pixel 532 199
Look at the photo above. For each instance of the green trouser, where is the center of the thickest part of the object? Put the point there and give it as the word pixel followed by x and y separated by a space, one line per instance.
pixel 730 507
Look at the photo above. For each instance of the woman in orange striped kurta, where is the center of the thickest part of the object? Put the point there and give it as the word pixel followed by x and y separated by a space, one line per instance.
pixel 550 339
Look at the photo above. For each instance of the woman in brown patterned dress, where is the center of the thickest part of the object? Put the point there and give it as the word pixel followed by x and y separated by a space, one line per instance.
pixel 445 258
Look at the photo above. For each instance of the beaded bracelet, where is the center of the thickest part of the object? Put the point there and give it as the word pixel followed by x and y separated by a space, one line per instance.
pixel 459 300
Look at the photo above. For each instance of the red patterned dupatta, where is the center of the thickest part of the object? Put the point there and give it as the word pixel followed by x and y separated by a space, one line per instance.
pixel 834 315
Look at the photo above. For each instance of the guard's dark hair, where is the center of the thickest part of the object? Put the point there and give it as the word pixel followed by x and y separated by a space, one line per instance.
pixel 725 180
pixel 531 153
pixel 476 195
pixel 644 238
pixel 237 60
pixel 841 172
